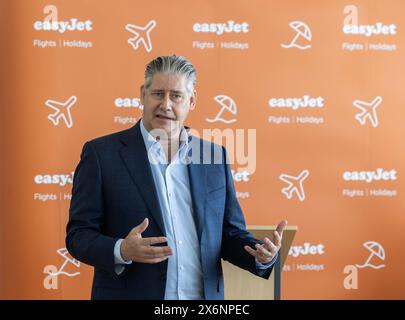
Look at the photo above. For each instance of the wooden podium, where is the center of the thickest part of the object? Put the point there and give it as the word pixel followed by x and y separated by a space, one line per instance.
pixel 243 285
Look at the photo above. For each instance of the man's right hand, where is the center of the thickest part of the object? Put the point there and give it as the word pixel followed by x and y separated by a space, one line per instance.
pixel 139 249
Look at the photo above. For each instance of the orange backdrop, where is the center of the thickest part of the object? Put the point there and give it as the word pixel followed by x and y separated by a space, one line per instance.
pixel 321 82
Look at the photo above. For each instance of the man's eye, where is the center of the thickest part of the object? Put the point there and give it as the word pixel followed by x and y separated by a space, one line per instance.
pixel 177 96
pixel 158 94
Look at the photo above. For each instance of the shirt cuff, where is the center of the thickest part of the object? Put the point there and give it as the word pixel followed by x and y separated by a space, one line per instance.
pixel 117 254
pixel 262 266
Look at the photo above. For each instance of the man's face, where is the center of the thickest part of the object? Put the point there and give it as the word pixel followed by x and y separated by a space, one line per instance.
pixel 166 102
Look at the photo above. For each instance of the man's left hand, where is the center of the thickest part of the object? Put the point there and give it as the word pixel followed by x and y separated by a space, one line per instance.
pixel 265 252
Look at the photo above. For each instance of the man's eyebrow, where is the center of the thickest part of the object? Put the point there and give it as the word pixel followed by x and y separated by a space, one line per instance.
pixel 172 91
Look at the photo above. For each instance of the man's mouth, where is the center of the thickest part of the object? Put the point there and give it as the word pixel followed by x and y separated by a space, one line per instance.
pixel 163 117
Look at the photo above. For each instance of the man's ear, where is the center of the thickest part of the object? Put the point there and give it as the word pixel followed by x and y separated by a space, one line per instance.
pixel 142 91
pixel 193 100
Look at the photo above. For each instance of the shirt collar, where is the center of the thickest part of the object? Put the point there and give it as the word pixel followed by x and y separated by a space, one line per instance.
pixel 152 144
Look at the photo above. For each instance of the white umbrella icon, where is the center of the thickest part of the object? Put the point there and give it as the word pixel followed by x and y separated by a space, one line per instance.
pixel 302 31
pixel 375 249
pixel 64 253
pixel 226 103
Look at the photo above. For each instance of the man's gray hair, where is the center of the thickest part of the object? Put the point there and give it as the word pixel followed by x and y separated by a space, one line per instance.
pixel 171 64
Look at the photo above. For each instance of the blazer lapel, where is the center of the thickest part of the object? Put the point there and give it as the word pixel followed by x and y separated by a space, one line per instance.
pixel 136 160
pixel 197 176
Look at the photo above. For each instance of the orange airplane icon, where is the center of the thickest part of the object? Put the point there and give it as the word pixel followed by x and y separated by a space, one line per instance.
pixel 62 110
pixel 142 34
pixel 295 184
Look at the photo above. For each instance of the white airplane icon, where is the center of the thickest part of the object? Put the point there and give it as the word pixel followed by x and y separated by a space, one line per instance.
pixel 368 110
pixel 62 110
pixel 294 184
pixel 142 34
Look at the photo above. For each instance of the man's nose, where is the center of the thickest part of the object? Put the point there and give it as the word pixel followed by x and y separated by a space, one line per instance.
pixel 167 103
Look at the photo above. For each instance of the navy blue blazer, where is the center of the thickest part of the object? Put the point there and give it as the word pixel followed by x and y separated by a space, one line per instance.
pixel 113 191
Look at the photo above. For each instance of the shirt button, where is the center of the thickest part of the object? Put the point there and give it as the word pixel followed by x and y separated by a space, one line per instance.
pixel 180 242
pixel 170 194
pixel 181 268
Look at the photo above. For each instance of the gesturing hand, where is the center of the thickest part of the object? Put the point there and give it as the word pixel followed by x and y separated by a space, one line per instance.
pixel 139 249
pixel 266 252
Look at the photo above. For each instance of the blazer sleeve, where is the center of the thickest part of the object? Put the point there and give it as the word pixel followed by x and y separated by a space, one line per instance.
pixel 84 238
pixel 234 234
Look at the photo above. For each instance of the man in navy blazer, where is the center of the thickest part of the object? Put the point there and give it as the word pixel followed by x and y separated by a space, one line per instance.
pixel 154 208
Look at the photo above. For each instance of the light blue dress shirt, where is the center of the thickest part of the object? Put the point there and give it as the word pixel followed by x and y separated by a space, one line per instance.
pixel 184 271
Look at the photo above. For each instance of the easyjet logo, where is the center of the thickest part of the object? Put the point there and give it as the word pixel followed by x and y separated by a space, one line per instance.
pixel 370 30
pixel 221 28
pixel 370 176
pixel 296 103
pixel 307 249
pixel 128 103
pixel 51 22
pixel 351 24
pixel 57 179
